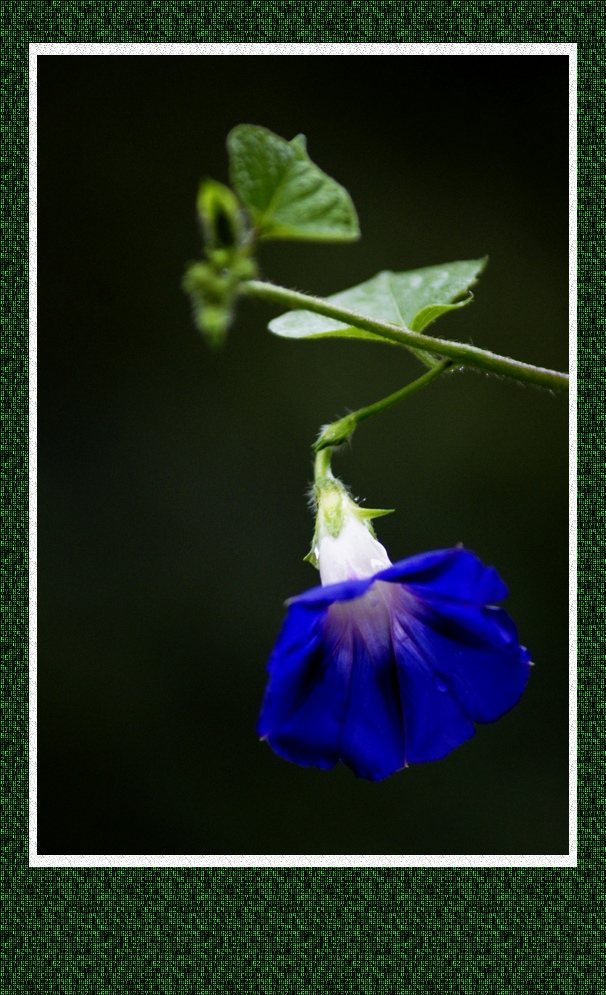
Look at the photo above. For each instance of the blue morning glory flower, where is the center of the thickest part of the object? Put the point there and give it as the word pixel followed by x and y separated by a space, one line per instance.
pixel 388 664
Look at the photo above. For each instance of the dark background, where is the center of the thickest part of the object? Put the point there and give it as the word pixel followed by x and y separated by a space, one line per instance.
pixel 172 481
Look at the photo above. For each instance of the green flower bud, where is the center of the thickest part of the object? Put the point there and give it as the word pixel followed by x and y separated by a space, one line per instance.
pixel 221 216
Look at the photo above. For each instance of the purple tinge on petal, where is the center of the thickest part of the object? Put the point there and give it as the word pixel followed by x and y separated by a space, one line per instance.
pixel 372 740
pixel 336 696
pixel 393 669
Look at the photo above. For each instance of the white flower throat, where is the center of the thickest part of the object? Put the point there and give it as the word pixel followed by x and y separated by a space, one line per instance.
pixel 352 555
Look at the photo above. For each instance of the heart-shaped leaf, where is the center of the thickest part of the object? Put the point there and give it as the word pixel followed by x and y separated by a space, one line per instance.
pixel 410 300
pixel 284 192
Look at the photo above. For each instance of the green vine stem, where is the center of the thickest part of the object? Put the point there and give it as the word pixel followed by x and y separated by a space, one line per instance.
pixel 460 352
pixel 341 430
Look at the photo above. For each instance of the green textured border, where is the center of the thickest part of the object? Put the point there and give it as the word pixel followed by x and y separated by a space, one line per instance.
pixel 301 930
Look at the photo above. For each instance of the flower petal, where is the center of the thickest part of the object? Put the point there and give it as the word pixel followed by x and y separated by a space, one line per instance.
pixel 396 673
pixel 472 652
pixel 305 701
pixel 455 573
pixel 372 736
pixel 321 597
pixel 434 721
pixel 291 667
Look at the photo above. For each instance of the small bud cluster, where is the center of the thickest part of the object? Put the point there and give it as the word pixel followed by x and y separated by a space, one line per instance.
pixel 212 285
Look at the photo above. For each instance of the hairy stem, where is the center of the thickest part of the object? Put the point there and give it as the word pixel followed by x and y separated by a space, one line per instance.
pixel 460 352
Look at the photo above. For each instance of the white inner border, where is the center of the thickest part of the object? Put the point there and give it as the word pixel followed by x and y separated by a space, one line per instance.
pixel 289 860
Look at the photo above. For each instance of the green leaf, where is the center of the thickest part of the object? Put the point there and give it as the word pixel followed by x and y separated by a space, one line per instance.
pixel 285 193
pixel 410 300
